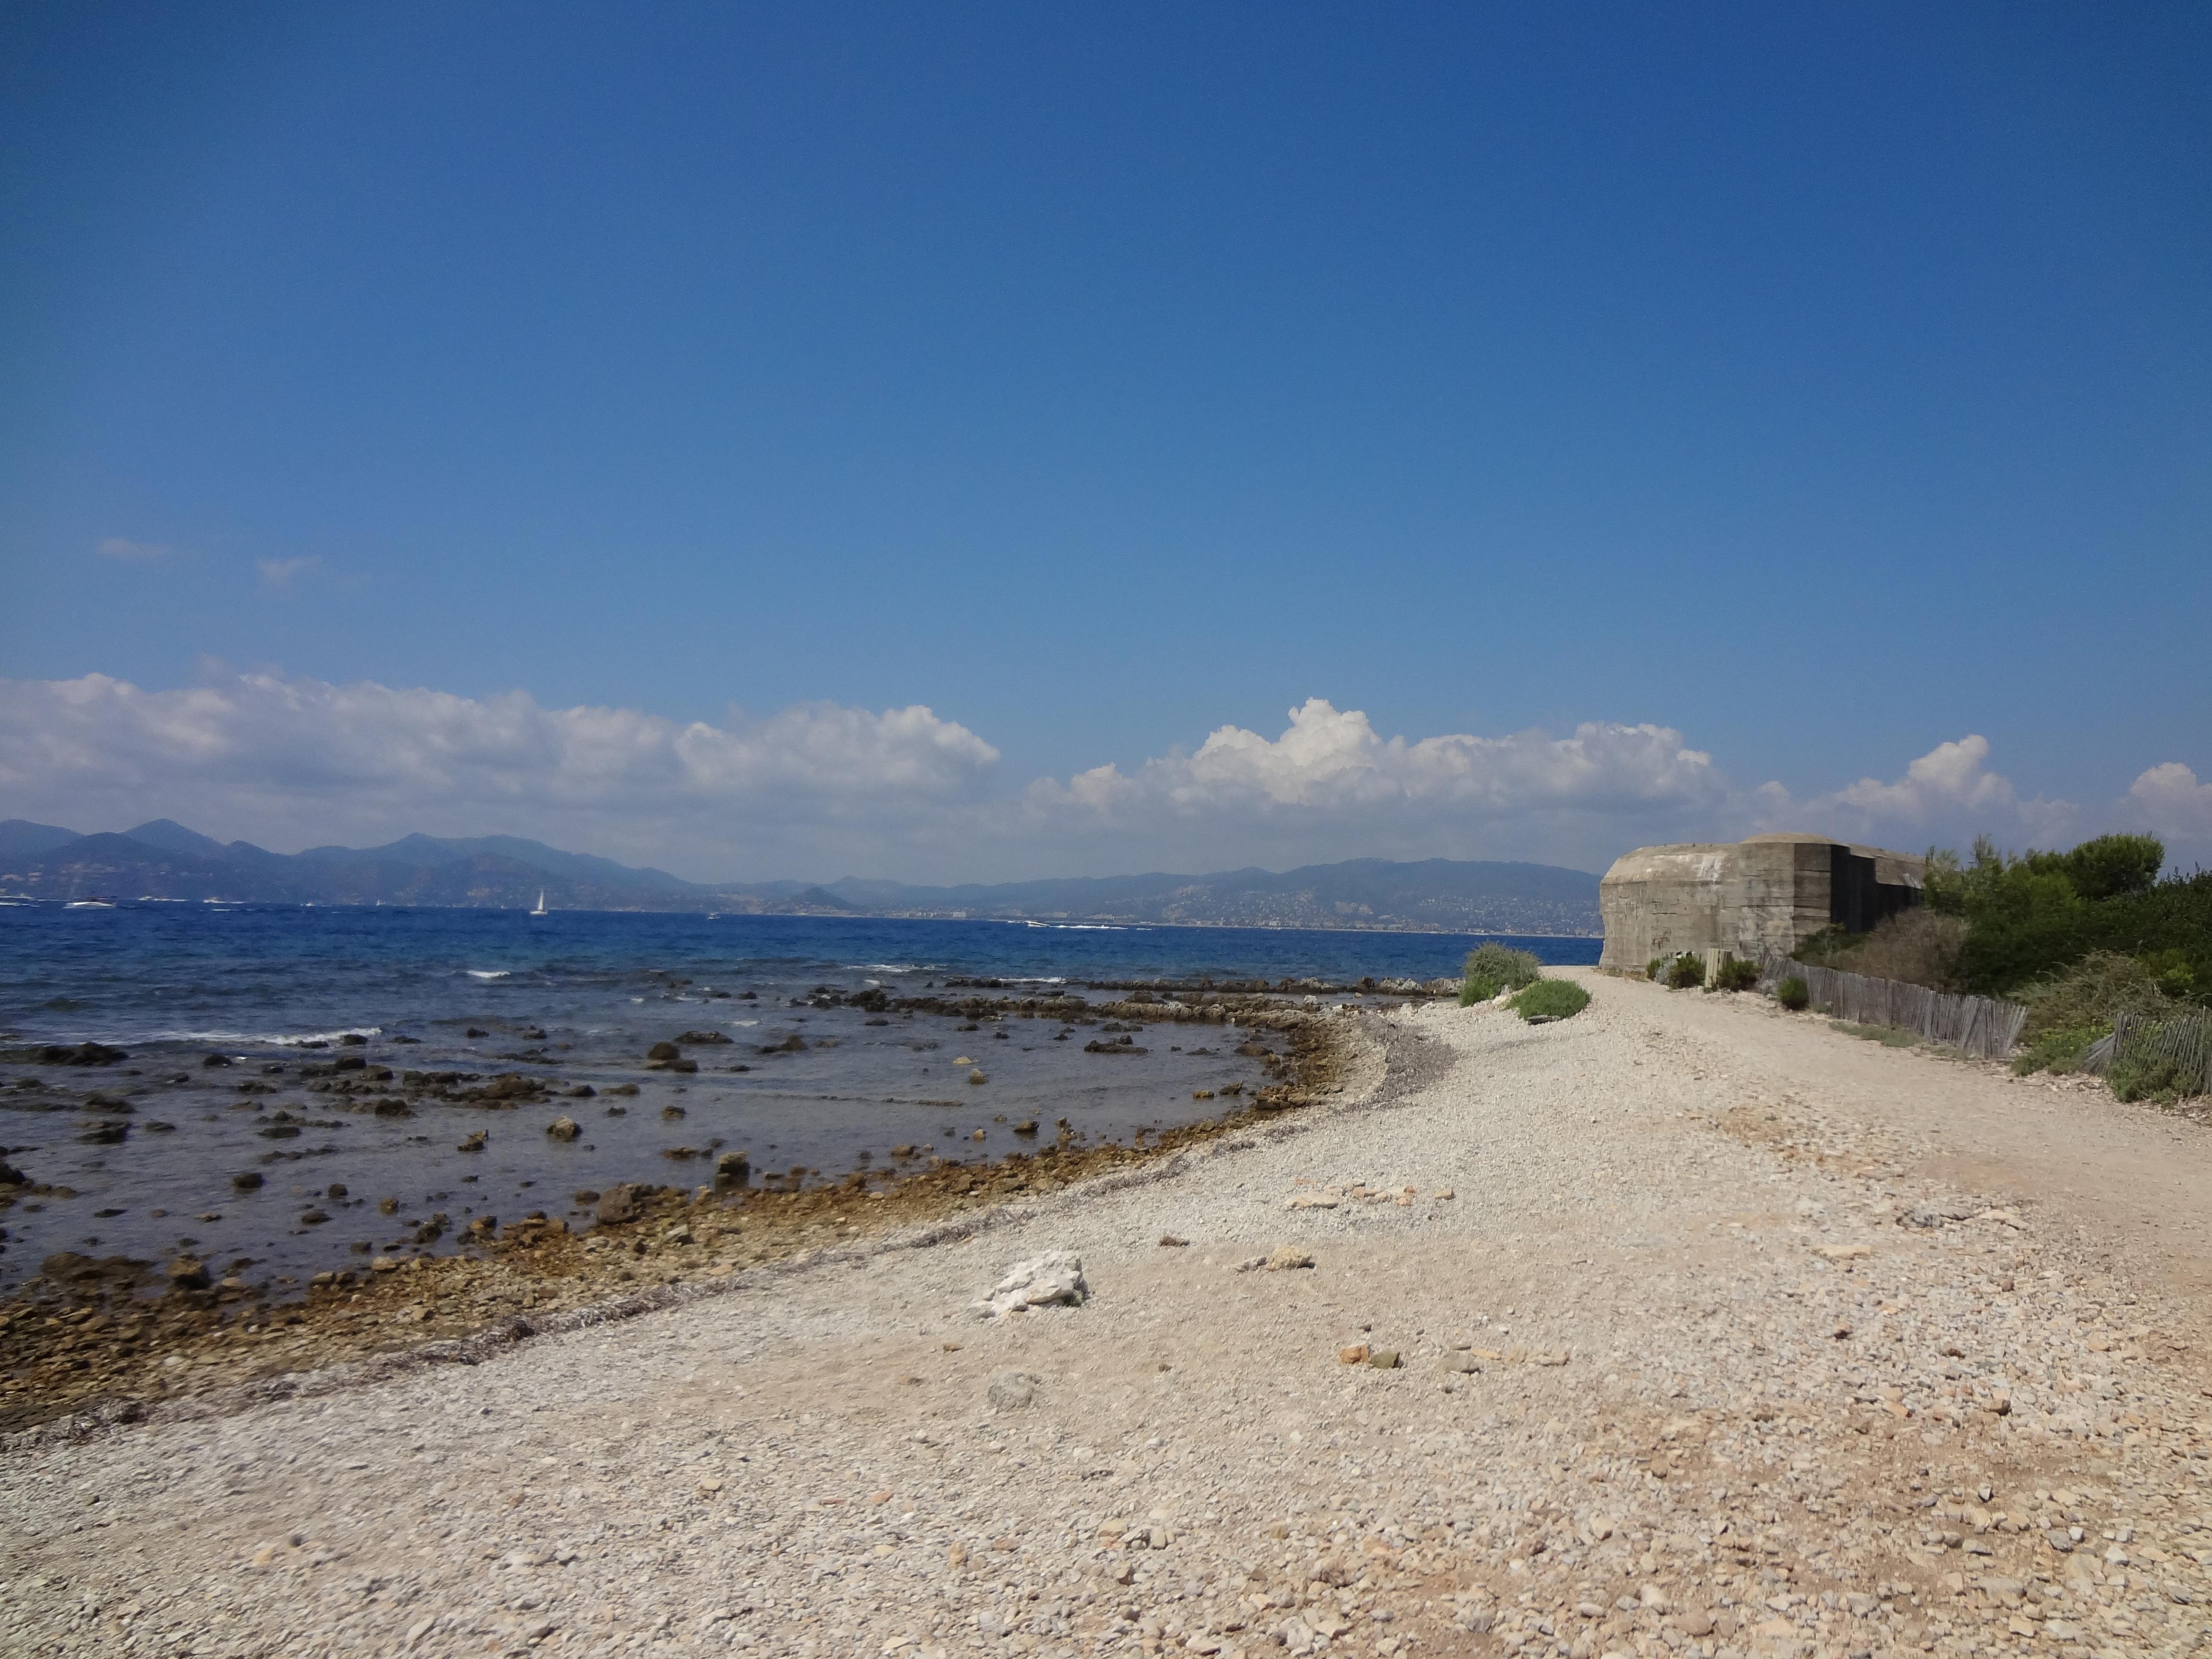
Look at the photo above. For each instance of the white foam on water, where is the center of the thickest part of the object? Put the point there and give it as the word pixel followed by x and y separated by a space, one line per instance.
pixel 744 1022
pixel 265 1039
pixel 487 973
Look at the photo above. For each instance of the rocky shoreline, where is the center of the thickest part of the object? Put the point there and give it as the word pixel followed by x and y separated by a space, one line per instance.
pixel 1680 1329
pixel 83 1343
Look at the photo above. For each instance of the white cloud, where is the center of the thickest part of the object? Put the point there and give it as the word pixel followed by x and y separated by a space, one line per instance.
pixel 820 790
pixel 2169 802
pixel 1330 786
pixel 288 762
pixel 1950 794
pixel 131 552
pixel 280 573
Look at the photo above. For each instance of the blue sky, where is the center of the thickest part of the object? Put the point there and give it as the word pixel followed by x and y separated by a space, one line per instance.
pixel 1824 387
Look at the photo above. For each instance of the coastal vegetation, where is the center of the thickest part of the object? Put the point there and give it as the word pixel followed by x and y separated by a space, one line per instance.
pixel 2079 939
pixel 1493 970
pixel 1492 967
pixel 1550 998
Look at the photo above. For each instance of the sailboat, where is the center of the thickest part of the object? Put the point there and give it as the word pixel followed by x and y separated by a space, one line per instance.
pixel 541 910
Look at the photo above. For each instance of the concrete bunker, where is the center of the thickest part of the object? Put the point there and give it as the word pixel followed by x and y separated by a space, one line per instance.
pixel 1772 892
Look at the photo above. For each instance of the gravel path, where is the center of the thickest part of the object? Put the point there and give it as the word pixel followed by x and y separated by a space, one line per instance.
pixel 1720 1333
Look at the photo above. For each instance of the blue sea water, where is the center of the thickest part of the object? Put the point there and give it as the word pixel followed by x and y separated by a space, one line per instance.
pixel 576 998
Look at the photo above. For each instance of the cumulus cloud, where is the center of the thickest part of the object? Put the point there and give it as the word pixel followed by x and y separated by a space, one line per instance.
pixel 281 572
pixel 1949 793
pixel 1330 781
pixel 2169 802
pixel 821 790
pixel 282 761
pixel 130 552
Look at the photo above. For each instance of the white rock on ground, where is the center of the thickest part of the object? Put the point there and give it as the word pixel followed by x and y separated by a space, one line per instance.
pixel 1053 1279
pixel 1986 1434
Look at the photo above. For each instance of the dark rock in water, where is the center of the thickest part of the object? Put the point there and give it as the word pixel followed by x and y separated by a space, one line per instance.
pixel 313 1217
pixel 624 1201
pixel 790 1045
pixel 704 1037
pixel 12 1176
pixel 394 1108
pixel 679 1151
pixel 57 1054
pixel 105 1103
pixel 664 1051
pixel 161 1128
pixel 624 1089
pixel 671 1111
pixel 736 1169
pixel 473 1032
pixel 1122 1046
pixel 353 1040
pixel 350 1063
pixel 533 1034
pixel 563 1128
pixel 187 1273
pixel 407 1039
pixel 472 1142
pixel 213 1061
pixel 85 1272
pixel 1027 1126
pixel 280 1132
pixel 584 1195
pixel 110 1134
pixel 337 1189
pixel 247 1182
pixel 583 1091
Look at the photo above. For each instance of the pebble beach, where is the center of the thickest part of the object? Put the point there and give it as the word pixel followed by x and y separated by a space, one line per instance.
pixel 1683 1326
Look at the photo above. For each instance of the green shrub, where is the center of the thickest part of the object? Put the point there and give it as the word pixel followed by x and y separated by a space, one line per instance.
pixel 2151 1077
pixel 1920 947
pixel 1736 975
pixel 1686 973
pixel 2060 1049
pixel 1792 995
pixel 1654 967
pixel 2087 995
pixel 1556 999
pixel 2034 916
pixel 1492 967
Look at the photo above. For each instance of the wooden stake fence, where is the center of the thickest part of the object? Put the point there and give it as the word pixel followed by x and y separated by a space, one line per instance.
pixel 2185 1040
pixel 1978 1025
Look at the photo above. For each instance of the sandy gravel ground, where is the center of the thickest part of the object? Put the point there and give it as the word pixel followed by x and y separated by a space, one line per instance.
pixel 1721 1333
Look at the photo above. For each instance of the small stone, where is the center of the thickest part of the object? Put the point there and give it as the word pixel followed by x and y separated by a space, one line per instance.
pixel 1383 1359
pixel 1352 1353
pixel 1283 1258
pixel 563 1128
pixel 1011 1390
pixel 1653 1597
pixel 1169 1240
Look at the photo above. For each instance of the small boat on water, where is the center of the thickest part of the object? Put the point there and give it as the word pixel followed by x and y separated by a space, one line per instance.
pixel 541 910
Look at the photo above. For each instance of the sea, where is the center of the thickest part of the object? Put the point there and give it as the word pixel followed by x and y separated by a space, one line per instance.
pixel 226 1012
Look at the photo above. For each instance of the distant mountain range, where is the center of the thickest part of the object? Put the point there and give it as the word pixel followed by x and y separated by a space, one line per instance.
pixel 163 860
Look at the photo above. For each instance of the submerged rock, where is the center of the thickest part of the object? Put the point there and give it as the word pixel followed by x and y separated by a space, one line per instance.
pixel 563 1128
